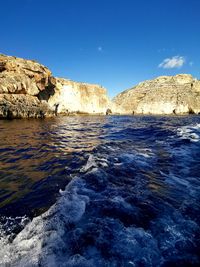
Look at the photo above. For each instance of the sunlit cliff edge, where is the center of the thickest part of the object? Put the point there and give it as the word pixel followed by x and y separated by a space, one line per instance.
pixel 164 95
pixel 28 90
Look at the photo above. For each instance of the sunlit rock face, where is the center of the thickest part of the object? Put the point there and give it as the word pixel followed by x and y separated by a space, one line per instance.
pixel 178 94
pixel 21 83
pixel 79 97
pixel 20 76
pixel 27 89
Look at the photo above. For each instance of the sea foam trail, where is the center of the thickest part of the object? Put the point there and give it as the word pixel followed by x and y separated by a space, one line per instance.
pixel 134 202
pixel 42 240
pixel 108 216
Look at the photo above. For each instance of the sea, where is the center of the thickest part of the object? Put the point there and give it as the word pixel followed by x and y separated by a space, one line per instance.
pixel 100 191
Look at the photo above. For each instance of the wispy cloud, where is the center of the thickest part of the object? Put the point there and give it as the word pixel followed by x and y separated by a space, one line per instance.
pixel 100 48
pixel 191 63
pixel 161 50
pixel 171 63
pixel 164 50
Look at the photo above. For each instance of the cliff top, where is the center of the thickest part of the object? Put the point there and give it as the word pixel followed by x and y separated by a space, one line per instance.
pixel 16 64
pixel 179 79
pixel 20 65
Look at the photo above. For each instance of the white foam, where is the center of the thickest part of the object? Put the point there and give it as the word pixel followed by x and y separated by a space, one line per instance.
pixel 145 152
pixel 190 132
pixel 40 238
pixel 46 240
pixel 140 157
pixel 93 163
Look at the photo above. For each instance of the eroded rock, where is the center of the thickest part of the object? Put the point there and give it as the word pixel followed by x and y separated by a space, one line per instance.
pixel 23 106
pixel 27 89
pixel 21 81
pixel 178 94
pixel 76 97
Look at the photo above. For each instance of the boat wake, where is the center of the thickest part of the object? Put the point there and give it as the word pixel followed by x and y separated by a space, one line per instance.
pixel 129 205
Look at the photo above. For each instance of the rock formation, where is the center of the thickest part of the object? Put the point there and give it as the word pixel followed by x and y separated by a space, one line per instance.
pixel 27 89
pixel 21 83
pixel 75 97
pixel 178 94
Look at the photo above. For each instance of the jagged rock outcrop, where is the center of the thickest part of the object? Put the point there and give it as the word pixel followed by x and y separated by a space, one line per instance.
pixel 21 83
pixel 178 94
pixel 27 89
pixel 23 106
pixel 76 97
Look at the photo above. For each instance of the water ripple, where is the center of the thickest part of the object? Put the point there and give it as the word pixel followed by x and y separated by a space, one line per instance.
pixel 131 196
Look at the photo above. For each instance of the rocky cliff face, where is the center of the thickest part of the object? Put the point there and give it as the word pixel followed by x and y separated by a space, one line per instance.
pixel 178 94
pixel 27 89
pixel 21 83
pixel 74 97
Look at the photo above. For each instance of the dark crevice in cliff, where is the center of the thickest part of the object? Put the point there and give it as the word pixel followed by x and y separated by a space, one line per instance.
pixel 2 66
pixel 46 93
pixel 191 111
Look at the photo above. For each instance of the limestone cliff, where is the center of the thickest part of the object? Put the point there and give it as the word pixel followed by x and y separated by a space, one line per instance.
pixel 178 94
pixel 27 89
pixel 21 82
pixel 75 97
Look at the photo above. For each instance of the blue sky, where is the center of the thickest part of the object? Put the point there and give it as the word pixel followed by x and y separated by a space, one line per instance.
pixel 115 43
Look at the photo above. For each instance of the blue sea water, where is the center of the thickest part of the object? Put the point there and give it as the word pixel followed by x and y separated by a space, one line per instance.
pixel 100 191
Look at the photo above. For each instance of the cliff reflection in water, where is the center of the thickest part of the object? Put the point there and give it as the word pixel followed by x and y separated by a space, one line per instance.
pixel 37 158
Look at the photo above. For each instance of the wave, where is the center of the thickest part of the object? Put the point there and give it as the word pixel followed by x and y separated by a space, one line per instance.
pixel 190 132
pixel 113 213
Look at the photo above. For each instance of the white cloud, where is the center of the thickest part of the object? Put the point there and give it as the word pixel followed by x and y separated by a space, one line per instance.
pixel 171 63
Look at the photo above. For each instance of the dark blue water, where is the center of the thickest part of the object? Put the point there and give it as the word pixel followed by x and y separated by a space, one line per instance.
pixel 100 191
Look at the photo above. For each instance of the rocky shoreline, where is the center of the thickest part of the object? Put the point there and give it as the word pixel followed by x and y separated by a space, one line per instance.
pixel 165 95
pixel 21 83
pixel 28 90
